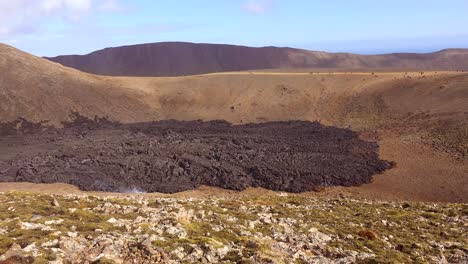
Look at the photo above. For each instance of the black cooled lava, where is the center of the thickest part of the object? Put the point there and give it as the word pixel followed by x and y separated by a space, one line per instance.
pixel 172 156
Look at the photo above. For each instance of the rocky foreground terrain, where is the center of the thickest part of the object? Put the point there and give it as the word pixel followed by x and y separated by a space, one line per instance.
pixel 280 228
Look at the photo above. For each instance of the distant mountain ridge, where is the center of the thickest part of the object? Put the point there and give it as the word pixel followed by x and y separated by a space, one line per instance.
pixel 183 58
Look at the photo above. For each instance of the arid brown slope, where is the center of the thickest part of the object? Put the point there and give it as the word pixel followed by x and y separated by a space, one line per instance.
pixel 398 106
pixel 180 58
pixel 332 98
pixel 38 89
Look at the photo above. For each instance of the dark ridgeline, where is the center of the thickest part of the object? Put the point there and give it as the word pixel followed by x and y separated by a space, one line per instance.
pixel 181 58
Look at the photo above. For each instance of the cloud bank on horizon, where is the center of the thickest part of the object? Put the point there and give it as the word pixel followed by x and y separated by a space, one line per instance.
pixel 54 27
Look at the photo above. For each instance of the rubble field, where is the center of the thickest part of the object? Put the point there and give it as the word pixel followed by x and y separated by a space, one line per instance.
pixel 276 228
pixel 173 156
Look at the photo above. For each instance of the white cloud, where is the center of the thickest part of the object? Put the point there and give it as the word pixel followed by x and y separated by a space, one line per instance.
pixel 25 16
pixel 258 6
pixel 110 6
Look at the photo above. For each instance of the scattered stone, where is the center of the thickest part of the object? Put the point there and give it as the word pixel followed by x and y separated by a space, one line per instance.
pixel 72 234
pixel 51 243
pixel 31 226
pixel 367 234
pixel 55 202
pixel 54 222
pixel 14 251
pixel 251 244
pixel 273 229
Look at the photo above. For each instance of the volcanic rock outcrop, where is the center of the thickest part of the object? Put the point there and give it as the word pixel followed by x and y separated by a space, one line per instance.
pixel 173 156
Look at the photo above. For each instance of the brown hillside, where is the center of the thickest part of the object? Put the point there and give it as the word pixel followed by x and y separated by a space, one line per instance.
pixel 38 89
pixel 180 58
pixel 415 117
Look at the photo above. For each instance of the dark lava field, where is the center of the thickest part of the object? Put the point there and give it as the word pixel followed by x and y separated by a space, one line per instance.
pixel 172 156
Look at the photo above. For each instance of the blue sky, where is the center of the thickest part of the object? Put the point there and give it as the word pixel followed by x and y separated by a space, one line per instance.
pixel 54 27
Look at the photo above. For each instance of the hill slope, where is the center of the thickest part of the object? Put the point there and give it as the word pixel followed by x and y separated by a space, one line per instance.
pixel 38 89
pixel 397 109
pixel 180 58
